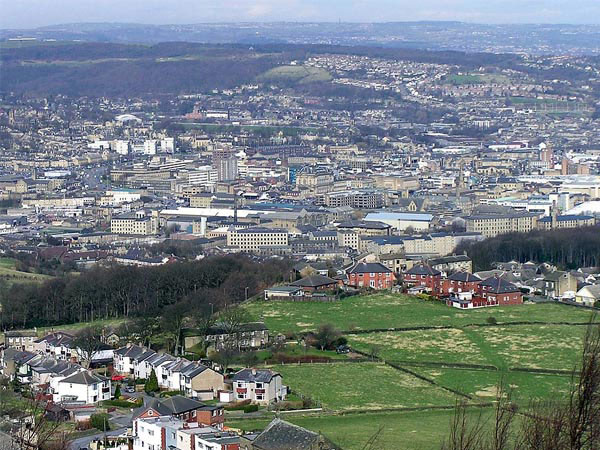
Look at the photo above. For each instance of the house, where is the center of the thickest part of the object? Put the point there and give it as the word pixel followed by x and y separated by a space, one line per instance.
pixel 22 340
pixel 370 275
pixel 452 263
pixel 124 358
pixel 83 387
pixel 460 282
pixel 315 283
pixel 497 291
pixel 184 409
pixel 280 435
pixel 588 295
pixel 13 363
pixel 262 386
pixel 58 344
pixel 248 336
pixel 200 381
pixel 559 284
pixel 424 276
pixel 168 432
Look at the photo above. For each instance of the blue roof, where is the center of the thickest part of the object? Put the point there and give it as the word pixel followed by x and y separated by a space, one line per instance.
pixel 399 216
pixel 565 218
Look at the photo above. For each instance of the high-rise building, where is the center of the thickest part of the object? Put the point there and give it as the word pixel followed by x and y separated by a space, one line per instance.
pixel 225 162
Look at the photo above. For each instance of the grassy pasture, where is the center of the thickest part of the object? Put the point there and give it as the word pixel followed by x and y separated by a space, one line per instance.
pixel 384 311
pixel 362 386
pixel 295 74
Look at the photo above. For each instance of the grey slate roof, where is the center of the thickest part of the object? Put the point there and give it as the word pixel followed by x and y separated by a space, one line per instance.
pixel 254 375
pixel 369 268
pixel 499 285
pixel 465 277
pixel 85 377
pixel 314 281
pixel 423 269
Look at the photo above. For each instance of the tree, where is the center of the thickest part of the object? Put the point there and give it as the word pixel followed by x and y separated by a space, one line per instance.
pixel 203 319
pixel 326 336
pixel 100 421
pixel 31 427
pixel 86 343
pixel 172 323
pixel 374 351
pixel 152 383
pixel 225 356
pixel 118 392
pixel 232 319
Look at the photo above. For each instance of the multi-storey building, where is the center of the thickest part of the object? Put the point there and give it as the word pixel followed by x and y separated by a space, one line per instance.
pixel 490 225
pixel 359 199
pixel 565 221
pixel 254 239
pixel 135 223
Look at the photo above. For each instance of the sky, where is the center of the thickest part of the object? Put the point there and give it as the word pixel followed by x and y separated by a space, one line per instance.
pixel 35 13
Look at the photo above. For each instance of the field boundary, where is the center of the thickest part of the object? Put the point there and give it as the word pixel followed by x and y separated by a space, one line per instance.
pixel 454 327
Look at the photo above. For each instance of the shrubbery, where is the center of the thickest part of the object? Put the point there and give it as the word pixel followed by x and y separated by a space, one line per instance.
pixel 100 421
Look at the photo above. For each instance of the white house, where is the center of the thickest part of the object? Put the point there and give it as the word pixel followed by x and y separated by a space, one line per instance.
pixel 262 386
pixel 588 295
pixel 83 387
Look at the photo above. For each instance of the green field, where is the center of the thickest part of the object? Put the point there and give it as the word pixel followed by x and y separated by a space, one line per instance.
pixel 384 311
pixel 361 386
pixel 9 272
pixel 554 347
pixel 546 337
pixel 295 74
pixel 413 430
pixel 482 385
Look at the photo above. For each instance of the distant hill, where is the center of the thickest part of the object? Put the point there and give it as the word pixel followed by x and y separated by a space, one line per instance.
pixel 431 35
pixel 104 69
pixel 113 69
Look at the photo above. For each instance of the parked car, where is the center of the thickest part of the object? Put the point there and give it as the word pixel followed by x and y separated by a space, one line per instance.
pixel 342 349
pixel 130 389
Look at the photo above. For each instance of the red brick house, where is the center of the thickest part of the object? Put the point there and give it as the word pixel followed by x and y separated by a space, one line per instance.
pixel 424 276
pixel 371 275
pixel 497 291
pixel 460 282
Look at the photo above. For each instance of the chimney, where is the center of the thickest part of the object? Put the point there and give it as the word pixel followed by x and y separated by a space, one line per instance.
pixel 253 371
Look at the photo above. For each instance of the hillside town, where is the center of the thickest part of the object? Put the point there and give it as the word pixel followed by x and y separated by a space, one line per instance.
pixel 173 265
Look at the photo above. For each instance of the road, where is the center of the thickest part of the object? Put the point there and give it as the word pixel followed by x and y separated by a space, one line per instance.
pixel 84 442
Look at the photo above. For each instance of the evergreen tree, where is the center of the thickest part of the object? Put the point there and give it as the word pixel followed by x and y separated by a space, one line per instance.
pixel 118 392
pixel 152 383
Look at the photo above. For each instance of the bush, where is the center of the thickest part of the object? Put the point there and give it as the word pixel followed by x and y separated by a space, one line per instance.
pixel 100 421
pixel 123 403
pixel 83 425
pixel 239 406
pixel 491 320
pixel 170 393
pixel 250 409
pixel 341 341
